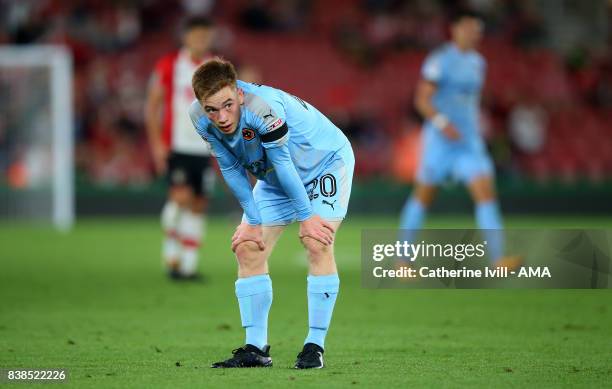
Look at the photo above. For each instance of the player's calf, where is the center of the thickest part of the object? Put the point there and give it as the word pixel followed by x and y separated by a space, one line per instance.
pixel 171 248
pixel 322 291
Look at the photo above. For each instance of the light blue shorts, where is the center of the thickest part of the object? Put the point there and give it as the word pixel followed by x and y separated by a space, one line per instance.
pixel 442 160
pixel 329 193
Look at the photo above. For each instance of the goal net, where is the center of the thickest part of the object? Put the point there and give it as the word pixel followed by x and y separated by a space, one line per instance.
pixel 36 135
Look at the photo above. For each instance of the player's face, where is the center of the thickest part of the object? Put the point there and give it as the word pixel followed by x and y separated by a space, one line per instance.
pixel 467 32
pixel 198 40
pixel 223 108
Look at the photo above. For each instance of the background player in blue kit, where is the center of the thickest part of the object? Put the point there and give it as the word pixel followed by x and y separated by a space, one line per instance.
pixel 304 166
pixel 448 96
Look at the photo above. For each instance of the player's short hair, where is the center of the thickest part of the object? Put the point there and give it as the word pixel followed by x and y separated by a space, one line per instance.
pixel 212 76
pixel 196 22
pixel 459 14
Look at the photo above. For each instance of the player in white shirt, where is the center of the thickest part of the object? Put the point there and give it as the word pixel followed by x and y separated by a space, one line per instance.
pixel 178 150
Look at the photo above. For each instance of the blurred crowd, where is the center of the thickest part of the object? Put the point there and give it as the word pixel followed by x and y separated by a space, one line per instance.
pixel 546 110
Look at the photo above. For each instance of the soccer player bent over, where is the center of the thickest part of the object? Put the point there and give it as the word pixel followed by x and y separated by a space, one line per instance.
pixel 304 168
pixel 448 97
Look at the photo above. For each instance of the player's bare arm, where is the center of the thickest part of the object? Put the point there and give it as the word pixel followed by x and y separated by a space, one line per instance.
pixel 423 103
pixel 153 121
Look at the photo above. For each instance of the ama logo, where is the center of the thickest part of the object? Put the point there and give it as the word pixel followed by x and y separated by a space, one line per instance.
pixel 248 134
pixel 539 272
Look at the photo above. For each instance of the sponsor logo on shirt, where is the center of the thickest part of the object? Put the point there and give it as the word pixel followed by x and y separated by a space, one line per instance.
pixel 275 125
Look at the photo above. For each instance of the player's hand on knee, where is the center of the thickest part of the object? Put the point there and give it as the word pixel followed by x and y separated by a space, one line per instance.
pixel 318 229
pixel 246 232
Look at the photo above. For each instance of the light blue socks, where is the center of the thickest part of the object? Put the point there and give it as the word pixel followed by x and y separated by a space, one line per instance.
pixel 488 219
pixel 412 215
pixel 411 219
pixel 322 292
pixel 255 298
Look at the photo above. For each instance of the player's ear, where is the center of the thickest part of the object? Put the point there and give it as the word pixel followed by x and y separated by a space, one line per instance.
pixel 240 96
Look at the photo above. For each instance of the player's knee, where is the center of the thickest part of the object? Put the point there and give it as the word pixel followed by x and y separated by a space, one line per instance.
pixel 425 194
pixel 251 260
pixel 199 204
pixel 247 252
pixel 482 189
pixel 316 250
pixel 182 195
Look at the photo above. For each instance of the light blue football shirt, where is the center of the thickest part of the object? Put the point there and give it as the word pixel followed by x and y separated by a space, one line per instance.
pixel 280 139
pixel 459 77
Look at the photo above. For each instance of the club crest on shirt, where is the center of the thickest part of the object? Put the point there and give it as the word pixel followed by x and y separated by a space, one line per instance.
pixel 248 134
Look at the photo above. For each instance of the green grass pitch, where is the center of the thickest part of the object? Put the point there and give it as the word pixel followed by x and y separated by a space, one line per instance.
pixel 95 301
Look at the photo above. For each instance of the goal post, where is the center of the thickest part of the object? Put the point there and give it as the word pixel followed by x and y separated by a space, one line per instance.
pixel 36 127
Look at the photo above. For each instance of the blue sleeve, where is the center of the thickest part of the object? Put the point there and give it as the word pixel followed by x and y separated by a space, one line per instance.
pixel 237 179
pixel 433 68
pixel 234 174
pixel 290 180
